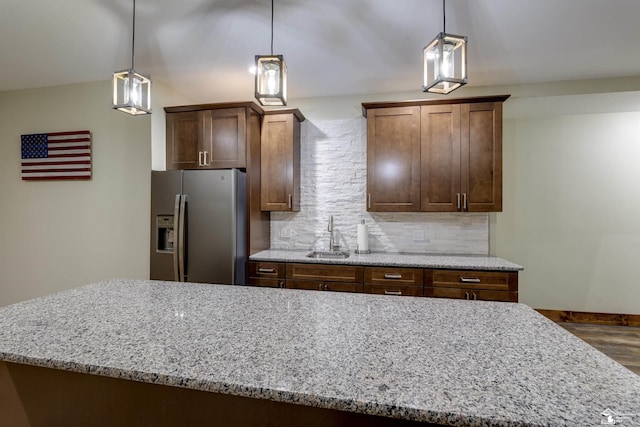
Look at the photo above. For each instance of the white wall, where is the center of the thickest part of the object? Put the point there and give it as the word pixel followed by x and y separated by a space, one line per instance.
pixel 333 181
pixel 62 234
pixel 572 201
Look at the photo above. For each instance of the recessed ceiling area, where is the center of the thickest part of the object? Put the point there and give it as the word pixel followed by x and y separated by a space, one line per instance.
pixel 203 48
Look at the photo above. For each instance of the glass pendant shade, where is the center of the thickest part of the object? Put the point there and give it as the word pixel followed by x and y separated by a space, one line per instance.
pixel 445 63
pixel 271 80
pixel 131 92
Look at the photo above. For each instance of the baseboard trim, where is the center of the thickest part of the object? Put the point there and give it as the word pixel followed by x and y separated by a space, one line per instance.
pixel 594 318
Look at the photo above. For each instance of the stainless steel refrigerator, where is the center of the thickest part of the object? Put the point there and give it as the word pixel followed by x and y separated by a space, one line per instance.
pixel 198 226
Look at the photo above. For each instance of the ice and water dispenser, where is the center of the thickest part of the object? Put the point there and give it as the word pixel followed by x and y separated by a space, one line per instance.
pixel 164 233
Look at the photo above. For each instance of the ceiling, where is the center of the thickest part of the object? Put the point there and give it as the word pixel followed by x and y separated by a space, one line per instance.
pixel 203 48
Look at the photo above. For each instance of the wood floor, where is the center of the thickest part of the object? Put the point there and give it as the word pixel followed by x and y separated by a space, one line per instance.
pixel 621 343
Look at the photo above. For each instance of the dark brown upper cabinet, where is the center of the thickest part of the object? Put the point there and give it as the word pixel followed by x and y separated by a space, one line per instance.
pixel 435 156
pixel 280 160
pixel 209 136
pixel 393 159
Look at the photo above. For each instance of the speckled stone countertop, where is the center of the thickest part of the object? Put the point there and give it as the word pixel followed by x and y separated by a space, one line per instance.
pixel 470 262
pixel 450 362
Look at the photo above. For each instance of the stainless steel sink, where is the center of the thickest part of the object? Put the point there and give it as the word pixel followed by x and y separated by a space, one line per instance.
pixel 328 254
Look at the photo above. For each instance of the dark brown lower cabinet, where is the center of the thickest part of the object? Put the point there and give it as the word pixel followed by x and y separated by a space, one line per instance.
pixel 267 283
pixel 471 294
pixel 399 281
pixel 387 280
pixel 267 274
pixel 472 285
pixel 324 277
pixel 391 289
pixel 322 285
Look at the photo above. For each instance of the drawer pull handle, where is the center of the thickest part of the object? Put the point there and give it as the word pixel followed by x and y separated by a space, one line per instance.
pixel 266 270
pixel 469 279
pixel 392 292
pixel 392 276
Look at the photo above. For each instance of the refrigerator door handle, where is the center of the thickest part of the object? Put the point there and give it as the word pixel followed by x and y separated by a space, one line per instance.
pixel 177 236
pixel 181 240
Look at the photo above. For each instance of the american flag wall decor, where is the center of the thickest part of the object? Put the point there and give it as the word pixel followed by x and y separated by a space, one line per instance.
pixel 57 155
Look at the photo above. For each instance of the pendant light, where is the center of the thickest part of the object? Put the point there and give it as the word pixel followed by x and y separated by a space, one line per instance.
pixel 445 61
pixel 132 91
pixel 271 76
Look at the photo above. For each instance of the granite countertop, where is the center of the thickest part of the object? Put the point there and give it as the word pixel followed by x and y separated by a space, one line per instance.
pixel 471 262
pixel 451 362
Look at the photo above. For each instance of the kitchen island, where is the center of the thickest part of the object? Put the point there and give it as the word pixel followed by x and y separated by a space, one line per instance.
pixel 152 352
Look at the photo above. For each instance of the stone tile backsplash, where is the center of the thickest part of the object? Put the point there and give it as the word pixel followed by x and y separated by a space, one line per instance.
pixel 333 173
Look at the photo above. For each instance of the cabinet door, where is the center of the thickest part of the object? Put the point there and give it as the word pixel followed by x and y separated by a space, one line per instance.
pixel 280 161
pixel 266 269
pixel 393 276
pixel 393 159
pixel 440 158
pixel 184 132
pixel 319 285
pixel 472 285
pixel 392 289
pixel 471 294
pixel 224 140
pixel 481 154
pixel 266 283
pixel 325 272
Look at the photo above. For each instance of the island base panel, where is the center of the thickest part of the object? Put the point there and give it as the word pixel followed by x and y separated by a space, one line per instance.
pixel 36 396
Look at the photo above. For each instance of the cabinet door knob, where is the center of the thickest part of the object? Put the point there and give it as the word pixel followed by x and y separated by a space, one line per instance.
pixel 200 158
pixel 290 201
pixel 469 279
pixel 464 203
pixel 458 197
pixel 466 295
pixel 266 270
pixel 281 284
pixel 394 276
pixel 206 162
pixel 369 201
pixel 392 292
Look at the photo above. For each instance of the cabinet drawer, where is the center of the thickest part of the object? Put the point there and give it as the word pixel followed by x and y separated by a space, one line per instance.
pixel 393 289
pixel 393 275
pixel 319 285
pixel 325 272
pixel 266 269
pixel 470 279
pixel 471 294
pixel 266 282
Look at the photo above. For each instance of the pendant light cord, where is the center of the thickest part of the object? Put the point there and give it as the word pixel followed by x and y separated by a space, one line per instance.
pixel 271 27
pixel 133 37
pixel 444 17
